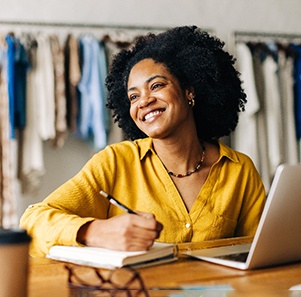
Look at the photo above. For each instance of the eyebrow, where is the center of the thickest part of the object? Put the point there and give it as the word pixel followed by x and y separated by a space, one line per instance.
pixel 149 80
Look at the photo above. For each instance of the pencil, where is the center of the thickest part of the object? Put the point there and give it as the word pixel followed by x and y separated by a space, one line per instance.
pixel 116 202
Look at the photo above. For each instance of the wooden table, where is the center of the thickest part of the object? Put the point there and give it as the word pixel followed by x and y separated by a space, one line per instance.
pixel 48 278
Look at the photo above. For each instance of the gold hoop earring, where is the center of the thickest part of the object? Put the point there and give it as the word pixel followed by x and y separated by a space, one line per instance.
pixel 191 102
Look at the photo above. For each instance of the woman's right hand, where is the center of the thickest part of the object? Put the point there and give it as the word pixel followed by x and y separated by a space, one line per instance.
pixel 126 232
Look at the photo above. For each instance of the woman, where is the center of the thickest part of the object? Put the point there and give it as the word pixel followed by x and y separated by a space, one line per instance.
pixel 175 95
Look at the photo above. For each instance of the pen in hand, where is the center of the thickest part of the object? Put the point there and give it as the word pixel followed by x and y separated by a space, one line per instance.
pixel 116 202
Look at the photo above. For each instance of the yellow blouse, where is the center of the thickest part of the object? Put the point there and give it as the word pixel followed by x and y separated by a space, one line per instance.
pixel 229 204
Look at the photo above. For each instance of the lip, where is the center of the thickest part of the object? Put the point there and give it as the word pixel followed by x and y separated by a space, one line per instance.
pixel 152 113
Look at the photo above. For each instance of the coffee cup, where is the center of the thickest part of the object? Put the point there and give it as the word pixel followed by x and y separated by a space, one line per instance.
pixel 14 245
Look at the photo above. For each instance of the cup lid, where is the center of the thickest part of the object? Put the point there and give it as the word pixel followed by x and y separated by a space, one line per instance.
pixel 13 236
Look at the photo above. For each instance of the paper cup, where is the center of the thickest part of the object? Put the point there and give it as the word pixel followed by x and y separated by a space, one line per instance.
pixel 14 245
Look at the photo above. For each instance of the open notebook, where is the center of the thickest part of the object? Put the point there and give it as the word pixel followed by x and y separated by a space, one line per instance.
pixel 159 253
pixel 278 236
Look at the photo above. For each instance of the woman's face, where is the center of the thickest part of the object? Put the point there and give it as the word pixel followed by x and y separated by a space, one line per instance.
pixel 158 105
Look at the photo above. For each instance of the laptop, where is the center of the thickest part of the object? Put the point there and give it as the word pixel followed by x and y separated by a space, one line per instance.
pixel 278 237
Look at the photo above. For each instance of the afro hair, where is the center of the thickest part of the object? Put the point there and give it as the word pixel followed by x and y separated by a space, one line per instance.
pixel 198 62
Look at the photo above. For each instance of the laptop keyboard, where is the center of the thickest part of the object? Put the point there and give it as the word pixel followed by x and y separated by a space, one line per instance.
pixel 240 257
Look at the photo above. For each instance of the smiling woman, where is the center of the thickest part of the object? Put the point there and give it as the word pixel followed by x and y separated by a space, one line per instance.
pixel 174 95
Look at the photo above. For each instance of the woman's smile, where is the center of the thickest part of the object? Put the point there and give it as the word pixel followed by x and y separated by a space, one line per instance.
pixel 152 115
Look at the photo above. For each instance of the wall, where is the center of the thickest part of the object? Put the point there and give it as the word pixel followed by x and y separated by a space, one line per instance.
pixel 222 16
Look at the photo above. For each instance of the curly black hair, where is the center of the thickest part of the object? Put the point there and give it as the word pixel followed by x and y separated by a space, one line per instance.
pixel 198 62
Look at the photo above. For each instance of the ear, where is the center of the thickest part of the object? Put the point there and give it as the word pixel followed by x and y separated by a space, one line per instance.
pixel 190 93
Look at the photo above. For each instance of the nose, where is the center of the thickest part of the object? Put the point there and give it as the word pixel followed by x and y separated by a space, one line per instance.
pixel 146 99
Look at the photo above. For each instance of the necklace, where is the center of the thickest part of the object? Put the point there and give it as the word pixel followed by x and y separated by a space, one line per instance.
pixel 188 173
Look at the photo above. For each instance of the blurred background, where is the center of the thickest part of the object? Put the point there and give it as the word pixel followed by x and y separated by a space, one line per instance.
pixel 114 24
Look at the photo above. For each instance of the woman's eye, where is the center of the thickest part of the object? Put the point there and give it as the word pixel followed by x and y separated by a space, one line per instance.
pixel 156 86
pixel 133 97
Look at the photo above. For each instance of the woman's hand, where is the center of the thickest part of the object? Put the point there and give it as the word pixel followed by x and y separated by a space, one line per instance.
pixel 126 232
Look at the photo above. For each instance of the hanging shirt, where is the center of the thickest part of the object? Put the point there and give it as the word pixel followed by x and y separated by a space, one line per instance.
pixel 112 48
pixel 72 78
pixel 245 135
pixel 93 113
pixel 297 88
pixel 258 57
pixel 273 114
pixel 20 76
pixel 290 146
pixel 32 168
pixel 8 197
pixel 59 91
pixel 45 88
pixel 10 40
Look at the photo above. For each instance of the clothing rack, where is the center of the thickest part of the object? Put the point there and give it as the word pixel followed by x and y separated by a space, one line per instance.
pixel 241 36
pixel 113 30
pixel 88 26
pixel 79 25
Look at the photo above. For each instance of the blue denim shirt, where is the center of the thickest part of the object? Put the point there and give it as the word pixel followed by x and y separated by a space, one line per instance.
pixel 10 40
pixel 94 117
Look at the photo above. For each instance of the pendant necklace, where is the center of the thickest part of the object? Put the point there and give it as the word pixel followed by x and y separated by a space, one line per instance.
pixel 188 173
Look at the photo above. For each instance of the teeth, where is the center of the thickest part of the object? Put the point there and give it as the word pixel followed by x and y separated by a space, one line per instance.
pixel 151 114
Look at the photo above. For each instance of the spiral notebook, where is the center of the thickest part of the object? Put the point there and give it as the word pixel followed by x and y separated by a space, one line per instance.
pixel 278 236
